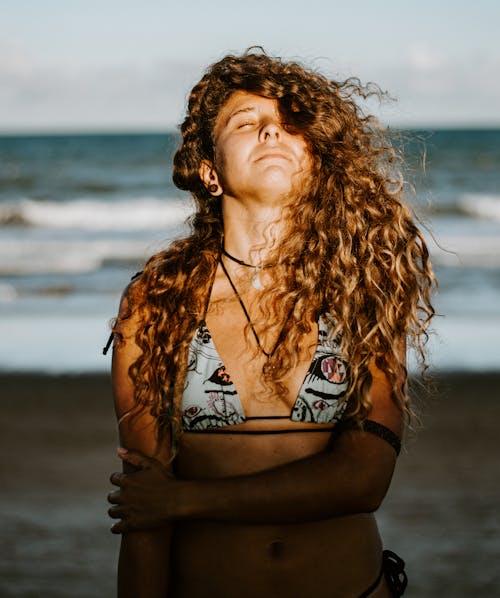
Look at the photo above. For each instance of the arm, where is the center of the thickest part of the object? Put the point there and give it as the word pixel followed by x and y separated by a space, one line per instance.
pixel 144 555
pixel 351 477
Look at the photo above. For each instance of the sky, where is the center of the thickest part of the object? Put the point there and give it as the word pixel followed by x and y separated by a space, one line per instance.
pixel 125 65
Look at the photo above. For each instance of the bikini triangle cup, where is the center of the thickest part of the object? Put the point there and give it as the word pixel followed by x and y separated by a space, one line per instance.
pixel 217 408
pixel 211 400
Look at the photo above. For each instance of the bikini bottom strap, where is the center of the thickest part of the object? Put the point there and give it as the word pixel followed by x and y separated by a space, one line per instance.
pixel 374 585
pixel 393 569
pixel 394 572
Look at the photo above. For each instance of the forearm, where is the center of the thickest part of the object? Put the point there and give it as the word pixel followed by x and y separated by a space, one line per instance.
pixel 351 478
pixel 143 567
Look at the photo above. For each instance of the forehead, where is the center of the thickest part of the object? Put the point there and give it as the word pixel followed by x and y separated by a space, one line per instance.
pixel 243 101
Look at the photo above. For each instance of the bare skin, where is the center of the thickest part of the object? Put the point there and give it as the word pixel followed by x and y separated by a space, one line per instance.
pixel 267 515
pixel 313 488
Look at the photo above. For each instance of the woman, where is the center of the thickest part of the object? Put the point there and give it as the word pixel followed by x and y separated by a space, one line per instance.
pixel 259 365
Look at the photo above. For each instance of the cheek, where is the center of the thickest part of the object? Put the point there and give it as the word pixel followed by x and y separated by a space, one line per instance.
pixel 225 168
pixel 302 152
pixel 220 162
pixel 230 159
pixel 306 161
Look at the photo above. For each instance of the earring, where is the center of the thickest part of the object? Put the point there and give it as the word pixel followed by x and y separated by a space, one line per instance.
pixel 212 188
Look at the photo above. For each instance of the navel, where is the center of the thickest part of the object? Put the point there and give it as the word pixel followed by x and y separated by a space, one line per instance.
pixel 276 548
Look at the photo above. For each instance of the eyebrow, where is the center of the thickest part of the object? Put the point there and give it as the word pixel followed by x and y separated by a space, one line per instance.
pixel 239 111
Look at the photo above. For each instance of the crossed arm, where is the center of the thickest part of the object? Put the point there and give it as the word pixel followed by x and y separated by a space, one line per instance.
pixel 352 477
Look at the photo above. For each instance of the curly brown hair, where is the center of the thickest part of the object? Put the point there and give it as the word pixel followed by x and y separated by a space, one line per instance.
pixel 354 250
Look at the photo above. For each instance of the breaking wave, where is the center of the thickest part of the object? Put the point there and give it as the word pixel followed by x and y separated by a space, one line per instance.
pixel 146 213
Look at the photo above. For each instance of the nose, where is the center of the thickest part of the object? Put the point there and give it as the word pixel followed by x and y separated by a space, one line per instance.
pixel 270 130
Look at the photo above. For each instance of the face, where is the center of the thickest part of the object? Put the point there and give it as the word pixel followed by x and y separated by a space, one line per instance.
pixel 255 157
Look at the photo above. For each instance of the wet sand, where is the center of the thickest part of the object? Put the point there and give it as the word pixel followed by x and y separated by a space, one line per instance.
pixel 58 442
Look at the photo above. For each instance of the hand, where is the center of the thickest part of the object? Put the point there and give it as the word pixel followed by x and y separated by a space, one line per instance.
pixel 145 499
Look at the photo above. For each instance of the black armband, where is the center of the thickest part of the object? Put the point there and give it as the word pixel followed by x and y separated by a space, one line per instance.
pixel 383 432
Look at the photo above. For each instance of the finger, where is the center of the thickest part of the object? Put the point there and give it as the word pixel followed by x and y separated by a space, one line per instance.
pixel 114 497
pixel 118 528
pixel 133 457
pixel 115 512
pixel 117 478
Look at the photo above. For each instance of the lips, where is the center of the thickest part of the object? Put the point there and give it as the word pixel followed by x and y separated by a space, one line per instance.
pixel 273 155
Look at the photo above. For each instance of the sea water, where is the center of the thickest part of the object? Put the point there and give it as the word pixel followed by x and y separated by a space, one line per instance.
pixel 79 214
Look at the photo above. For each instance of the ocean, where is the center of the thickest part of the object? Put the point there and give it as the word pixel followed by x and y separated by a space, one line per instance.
pixel 79 214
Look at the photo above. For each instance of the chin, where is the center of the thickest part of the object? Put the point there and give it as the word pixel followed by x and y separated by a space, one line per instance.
pixel 277 186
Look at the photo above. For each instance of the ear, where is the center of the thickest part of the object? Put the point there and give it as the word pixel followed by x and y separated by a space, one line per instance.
pixel 210 179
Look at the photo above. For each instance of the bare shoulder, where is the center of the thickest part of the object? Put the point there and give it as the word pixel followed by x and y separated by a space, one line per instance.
pixel 127 319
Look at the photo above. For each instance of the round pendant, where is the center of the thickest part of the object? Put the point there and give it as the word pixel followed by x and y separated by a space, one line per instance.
pixel 256 282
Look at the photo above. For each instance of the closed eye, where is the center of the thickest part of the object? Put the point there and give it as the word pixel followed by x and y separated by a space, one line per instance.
pixel 246 124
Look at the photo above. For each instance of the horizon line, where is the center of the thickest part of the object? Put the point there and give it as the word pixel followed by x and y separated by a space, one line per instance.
pixel 132 130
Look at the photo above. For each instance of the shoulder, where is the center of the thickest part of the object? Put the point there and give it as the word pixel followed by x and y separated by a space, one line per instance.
pixel 126 325
pixel 129 302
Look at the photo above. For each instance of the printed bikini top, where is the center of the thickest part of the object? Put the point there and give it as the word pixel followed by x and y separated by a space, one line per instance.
pixel 210 400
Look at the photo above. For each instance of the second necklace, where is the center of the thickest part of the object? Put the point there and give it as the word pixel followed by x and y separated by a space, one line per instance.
pixel 247 316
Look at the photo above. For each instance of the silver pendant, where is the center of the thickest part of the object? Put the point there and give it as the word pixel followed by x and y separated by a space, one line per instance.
pixel 256 281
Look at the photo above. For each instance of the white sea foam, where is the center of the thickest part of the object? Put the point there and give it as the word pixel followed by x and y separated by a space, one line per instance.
pixel 80 253
pixel 146 213
pixel 31 256
pixel 53 343
pixel 481 205
pixel 464 250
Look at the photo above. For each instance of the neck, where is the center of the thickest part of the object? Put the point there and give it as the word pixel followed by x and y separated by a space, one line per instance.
pixel 250 232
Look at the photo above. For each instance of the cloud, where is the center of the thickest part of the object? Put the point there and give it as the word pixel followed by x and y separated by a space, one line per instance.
pixel 423 58
pixel 40 97
pixel 433 88
pixel 15 61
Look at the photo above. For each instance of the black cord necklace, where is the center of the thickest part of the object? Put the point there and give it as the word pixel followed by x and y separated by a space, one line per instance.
pixel 235 259
pixel 247 316
pixel 256 281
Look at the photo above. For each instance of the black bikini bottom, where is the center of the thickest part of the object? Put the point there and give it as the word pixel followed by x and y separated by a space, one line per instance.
pixel 393 569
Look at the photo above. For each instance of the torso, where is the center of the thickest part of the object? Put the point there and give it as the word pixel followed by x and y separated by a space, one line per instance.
pixel 335 557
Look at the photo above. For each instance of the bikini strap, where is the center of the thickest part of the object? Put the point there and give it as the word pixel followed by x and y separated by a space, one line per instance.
pixel 209 294
pixel 108 344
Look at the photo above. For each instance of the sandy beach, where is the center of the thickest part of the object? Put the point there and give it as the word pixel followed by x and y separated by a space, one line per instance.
pixel 58 444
